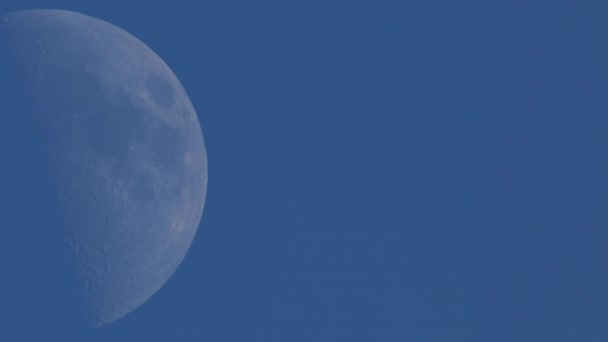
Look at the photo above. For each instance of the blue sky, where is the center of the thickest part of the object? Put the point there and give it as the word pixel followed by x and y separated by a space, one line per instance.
pixel 385 170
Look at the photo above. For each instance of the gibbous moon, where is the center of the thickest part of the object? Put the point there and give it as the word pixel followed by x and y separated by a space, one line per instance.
pixel 106 167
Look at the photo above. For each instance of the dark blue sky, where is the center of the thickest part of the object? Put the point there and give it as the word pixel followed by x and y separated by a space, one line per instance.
pixel 385 170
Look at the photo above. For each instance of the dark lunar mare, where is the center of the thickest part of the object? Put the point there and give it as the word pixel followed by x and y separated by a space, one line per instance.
pixel 104 170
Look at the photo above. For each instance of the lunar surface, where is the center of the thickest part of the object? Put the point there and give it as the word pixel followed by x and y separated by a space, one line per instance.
pixel 106 169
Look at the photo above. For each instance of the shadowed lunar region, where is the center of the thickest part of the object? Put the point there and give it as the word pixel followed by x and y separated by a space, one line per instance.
pixel 104 170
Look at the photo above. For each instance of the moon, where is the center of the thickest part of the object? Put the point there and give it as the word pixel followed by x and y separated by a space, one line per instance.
pixel 107 147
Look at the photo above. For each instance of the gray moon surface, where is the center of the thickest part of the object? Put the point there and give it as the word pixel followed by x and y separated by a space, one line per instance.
pixel 107 168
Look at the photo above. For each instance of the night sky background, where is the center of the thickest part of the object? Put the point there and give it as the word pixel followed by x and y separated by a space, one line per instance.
pixel 384 170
